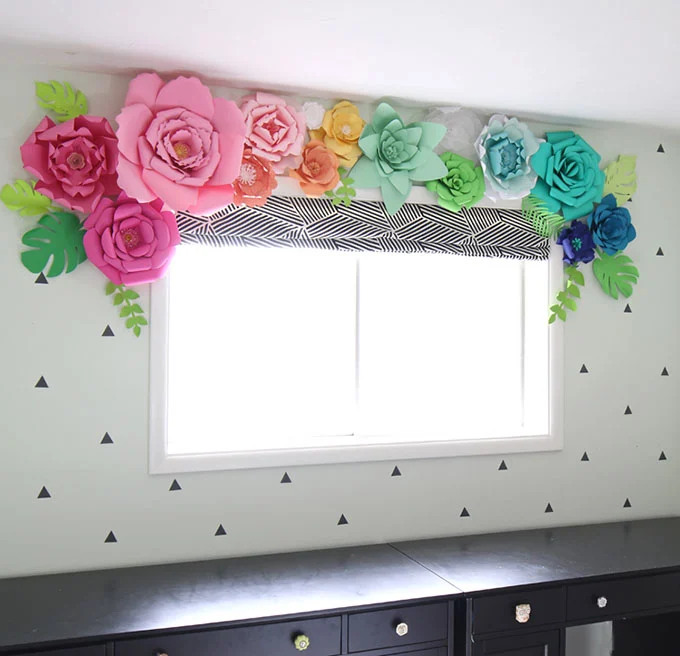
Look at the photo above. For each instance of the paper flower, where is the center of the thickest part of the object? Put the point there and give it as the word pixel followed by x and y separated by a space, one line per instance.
pixel 461 186
pixel 132 243
pixel 504 148
pixel 611 226
pixel 275 130
pixel 340 131
pixel 179 144
pixel 314 113
pixel 75 162
pixel 463 127
pixel 577 243
pixel 569 176
pixel 396 155
pixel 255 182
pixel 318 172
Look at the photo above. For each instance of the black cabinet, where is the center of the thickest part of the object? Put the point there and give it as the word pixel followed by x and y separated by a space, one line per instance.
pixel 531 644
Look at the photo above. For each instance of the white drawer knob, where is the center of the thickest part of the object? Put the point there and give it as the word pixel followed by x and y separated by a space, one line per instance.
pixel 602 602
pixel 402 629
pixel 522 613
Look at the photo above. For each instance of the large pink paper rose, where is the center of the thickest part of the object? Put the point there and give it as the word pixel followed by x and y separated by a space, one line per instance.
pixel 179 144
pixel 75 162
pixel 131 242
pixel 274 130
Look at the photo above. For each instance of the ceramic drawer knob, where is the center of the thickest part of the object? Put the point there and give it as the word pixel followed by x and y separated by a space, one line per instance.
pixel 301 642
pixel 602 602
pixel 402 629
pixel 522 613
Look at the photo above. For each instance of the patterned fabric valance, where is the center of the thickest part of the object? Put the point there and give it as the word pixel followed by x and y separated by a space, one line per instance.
pixel 366 226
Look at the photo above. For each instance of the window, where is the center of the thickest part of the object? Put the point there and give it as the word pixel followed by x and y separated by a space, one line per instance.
pixel 264 357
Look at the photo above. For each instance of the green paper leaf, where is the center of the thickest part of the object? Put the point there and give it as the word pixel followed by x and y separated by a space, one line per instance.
pixel 570 304
pixel 141 321
pixel 130 295
pixel 110 288
pixel 125 311
pixel 130 322
pixel 136 309
pixel 57 238
pixel 621 178
pixel 561 313
pixel 552 318
pixel 575 276
pixel 118 299
pixel 131 312
pixel 574 291
pixel 543 221
pixel 137 331
pixel 61 99
pixel 23 198
pixel 615 273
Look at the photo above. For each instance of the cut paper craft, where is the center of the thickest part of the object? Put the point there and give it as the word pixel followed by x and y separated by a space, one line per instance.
pixel 344 192
pixel 110 538
pixel 549 508
pixel 626 503
pixel 106 439
pixel 396 471
pixel 465 513
pixel 342 521
pixel 42 383
pixel 62 99
pixel 615 273
pixel 503 466
pixel 58 240
pixel 584 457
pixel 565 298
pixel 220 531
pixel 663 456
pixel 664 372
pixel 129 311
pixel 621 178
pixel 108 332
pixel 659 252
pixel 175 486
pixel 286 478
pixel 584 369
pixel 41 280
pixel 23 198
pixel 627 309
pixel 660 149
pixel 44 494
pixel 628 411
pixel 542 220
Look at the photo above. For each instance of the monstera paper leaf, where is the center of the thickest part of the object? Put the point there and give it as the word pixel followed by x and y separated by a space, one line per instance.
pixel 58 238
pixel 621 179
pixel 61 99
pixel 23 198
pixel 615 273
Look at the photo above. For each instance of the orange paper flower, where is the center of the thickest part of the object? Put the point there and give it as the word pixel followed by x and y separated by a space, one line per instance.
pixel 255 182
pixel 318 172
pixel 340 132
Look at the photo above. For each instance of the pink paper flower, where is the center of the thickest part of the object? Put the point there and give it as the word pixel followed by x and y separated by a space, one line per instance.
pixel 132 243
pixel 179 144
pixel 75 162
pixel 274 130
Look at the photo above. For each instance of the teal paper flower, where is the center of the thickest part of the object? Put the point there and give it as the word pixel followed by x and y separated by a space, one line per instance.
pixel 396 155
pixel 569 176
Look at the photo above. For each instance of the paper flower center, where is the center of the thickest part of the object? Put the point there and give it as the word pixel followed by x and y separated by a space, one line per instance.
pixel 576 243
pixel 346 129
pixel 182 150
pixel 248 175
pixel 130 237
pixel 314 167
pixel 75 161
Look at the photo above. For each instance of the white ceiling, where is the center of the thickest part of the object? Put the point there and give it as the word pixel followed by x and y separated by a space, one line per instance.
pixel 614 60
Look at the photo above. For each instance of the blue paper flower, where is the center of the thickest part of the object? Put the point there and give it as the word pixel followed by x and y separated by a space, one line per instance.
pixel 569 176
pixel 611 226
pixel 577 243
pixel 505 147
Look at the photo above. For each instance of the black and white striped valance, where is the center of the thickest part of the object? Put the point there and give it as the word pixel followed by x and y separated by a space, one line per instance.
pixel 366 226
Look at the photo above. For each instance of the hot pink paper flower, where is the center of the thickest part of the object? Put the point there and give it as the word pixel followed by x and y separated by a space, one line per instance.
pixel 75 162
pixel 274 130
pixel 132 243
pixel 179 144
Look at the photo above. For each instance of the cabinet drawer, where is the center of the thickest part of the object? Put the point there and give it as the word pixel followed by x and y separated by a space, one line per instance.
pixel 96 650
pixel 277 638
pixel 622 596
pixel 498 612
pixel 378 629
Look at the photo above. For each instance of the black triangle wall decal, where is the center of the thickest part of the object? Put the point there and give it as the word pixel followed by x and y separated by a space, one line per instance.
pixel 663 456
pixel 584 369
pixel 584 457
pixel 108 332
pixel 627 309
pixel 659 252
pixel 660 149
pixel 286 478
pixel 664 372
pixel 42 383
pixel 175 486
pixel 395 471
pixel 44 494
pixel 628 411
pixel 465 513
pixel 502 466
pixel 41 280
pixel 627 503
pixel 110 538
pixel 106 439
pixel 549 508
pixel 342 521
pixel 220 530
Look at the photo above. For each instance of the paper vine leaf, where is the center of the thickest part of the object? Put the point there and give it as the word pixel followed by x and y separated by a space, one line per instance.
pixel 61 99
pixel 566 297
pixel 345 192
pixel 57 237
pixel 23 198
pixel 543 221
pixel 621 178
pixel 615 273
pixel 131 312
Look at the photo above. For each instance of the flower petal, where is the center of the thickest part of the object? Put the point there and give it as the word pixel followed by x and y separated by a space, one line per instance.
pixel 430 168
pixel 365 174
pixel 144 89
pixel 187 92
pixel 131 182
pixel 211 199
pixel 177 197
pixel 133 121
pixel 231 128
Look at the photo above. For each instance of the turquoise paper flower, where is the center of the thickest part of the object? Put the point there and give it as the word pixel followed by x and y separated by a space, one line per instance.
pixel 396 155
pixel 569 176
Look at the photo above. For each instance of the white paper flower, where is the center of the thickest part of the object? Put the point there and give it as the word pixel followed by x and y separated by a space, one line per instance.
pixel 314 113
pixel 462 129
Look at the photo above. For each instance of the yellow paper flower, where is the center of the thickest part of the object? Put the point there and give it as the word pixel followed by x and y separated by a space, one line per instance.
pixel 340 132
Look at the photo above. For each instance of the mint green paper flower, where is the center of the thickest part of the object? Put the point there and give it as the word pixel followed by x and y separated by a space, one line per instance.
pixel 461 186
pixel 396 155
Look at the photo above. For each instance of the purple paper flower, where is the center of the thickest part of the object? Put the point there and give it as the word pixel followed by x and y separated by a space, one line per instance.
pixel 577 243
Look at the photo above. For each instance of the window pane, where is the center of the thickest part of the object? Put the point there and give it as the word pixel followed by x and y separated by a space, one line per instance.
pixel 262 348
pixel 440 346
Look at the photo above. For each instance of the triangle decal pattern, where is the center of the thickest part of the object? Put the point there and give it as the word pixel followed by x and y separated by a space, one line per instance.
pixel 549 509
pixel 42 383
pixel 285 478
pixel 627 309
pixel 465 513
pixel 106 439
pixel 627 504
pixel 503 466
pixel 44 494
pixel 342 521
pixel 220 531
pixel 584 369
pixel 663 456
pixel 584 457
pixel 396 471
pixel 41 280
pixel 175 486
pixel 110 538
pixel 108 332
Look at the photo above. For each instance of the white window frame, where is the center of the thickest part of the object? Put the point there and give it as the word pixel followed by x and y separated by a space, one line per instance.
pixel 161 462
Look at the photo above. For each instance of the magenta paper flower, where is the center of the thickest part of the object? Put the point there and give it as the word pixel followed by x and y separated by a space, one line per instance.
pixel 274 130
pixel 75 162
pixel 132 243
pixel 179 144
